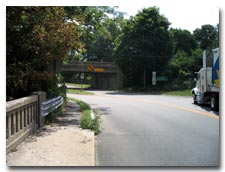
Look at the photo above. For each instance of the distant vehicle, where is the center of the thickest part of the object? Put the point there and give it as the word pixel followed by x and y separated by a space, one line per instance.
pixel 207 88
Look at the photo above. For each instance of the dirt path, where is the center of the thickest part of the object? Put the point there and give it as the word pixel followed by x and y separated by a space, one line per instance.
pixel 60 144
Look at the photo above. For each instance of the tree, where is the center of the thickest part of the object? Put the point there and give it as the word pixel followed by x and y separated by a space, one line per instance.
pixel 183 40
pixel 215 43
pixel 36 38
pixel 144 46
pixel 100 28
pixel 207 37
pixel 182 67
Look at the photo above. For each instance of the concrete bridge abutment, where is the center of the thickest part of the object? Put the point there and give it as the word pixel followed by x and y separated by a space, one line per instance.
pixel 104 75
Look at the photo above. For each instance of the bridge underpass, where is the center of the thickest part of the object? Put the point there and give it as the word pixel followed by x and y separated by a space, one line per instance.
pixel 104 75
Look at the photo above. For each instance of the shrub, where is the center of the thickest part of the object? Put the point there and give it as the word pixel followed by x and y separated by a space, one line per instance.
pixel 86 121
pixel 96 124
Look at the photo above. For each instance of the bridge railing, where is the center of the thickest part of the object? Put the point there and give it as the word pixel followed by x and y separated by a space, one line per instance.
pixel 26 115
pixel 21 119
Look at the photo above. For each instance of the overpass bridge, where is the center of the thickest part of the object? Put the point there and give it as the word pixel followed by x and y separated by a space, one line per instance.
pixel 104 75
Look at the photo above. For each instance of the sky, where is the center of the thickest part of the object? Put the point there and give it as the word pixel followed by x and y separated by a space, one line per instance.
pixel 183 14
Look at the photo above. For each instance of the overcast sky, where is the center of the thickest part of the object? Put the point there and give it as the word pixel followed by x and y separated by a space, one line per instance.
pixel 184 14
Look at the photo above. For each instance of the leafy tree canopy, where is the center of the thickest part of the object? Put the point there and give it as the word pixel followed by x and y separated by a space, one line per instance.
pixel 36 36
pixel 183 40
pixel 207 36
pixel 144 46
pixel 100 28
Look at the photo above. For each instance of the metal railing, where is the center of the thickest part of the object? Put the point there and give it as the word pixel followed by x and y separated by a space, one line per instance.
pixel 50 105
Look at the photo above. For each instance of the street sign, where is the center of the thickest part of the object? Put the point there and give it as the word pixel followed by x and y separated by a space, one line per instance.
pixel 91 68
pixel 99 69
pixel 82 76
pixel 162 78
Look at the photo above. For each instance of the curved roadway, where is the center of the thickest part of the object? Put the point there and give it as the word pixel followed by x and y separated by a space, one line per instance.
pixel 154 130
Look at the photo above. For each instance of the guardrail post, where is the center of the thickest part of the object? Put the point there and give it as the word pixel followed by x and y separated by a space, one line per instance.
pixel 41 98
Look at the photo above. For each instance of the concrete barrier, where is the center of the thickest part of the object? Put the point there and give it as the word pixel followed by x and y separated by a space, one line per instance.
pixel 22 117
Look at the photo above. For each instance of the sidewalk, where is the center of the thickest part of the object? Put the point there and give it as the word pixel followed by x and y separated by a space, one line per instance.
pixel 60 144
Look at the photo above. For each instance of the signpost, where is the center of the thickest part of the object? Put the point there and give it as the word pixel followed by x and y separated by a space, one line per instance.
pixel 82 78
pixel 153 77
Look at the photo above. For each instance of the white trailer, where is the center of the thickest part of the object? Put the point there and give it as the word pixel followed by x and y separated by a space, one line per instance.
pixel 208 82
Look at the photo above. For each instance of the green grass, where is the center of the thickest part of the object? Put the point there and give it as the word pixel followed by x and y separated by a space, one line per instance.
pixel 185 92
pixel 73 91
pixel 79 85
pixel 86 121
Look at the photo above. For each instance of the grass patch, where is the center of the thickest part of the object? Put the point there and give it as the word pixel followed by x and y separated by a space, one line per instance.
pixel 185 92
pixel 73 91
pixel 79 85
pixel 86 121
pixel 96 124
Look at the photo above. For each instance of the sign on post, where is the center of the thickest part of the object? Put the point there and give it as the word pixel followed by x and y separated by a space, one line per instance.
pixel 154 78
pixel 162 78
pixel 82 76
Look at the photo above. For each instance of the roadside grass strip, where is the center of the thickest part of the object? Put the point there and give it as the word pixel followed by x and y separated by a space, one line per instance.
pixel 79 85
pixel 178 93
pixel 74 91
pixel 89 120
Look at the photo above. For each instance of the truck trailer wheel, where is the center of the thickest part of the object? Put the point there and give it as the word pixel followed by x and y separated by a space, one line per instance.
pixel 214 103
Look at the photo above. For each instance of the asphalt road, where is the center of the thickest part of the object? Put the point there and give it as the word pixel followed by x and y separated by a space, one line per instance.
pixel 154 130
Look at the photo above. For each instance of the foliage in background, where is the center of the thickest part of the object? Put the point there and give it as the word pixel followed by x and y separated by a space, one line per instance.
pixel 143 46
pixel 187 56
pixel 207 36
pixel 182 40
pixel 101 26
pixel 37 38
pixel 181 69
